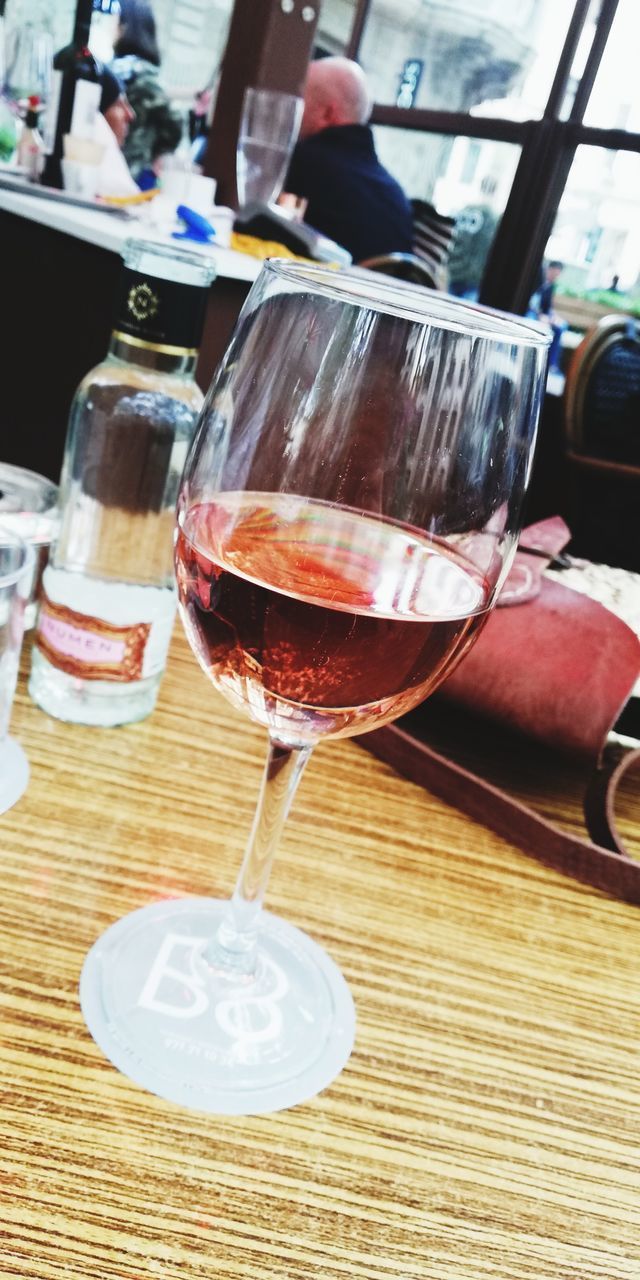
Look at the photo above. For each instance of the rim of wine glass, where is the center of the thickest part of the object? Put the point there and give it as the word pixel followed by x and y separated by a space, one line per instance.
pixel 256 90
pixel 410 302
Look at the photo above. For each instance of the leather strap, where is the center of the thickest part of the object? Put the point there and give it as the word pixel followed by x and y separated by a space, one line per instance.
pixel 544 699
pixel 600 796
pixel 592 864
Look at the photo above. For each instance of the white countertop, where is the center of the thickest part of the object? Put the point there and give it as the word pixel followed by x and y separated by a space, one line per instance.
pixel 109 231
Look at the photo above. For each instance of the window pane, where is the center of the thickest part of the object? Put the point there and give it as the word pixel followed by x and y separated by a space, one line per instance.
pixel 490 56
pixel 596 237
pixel 191 33
pixel 615 100
pixel 104 27
pixel 192 37
pixel 334 25
pixel 461 177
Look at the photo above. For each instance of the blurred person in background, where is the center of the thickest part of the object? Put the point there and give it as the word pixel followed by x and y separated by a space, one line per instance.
pixel 351 197
pixel 541 308
pixel 200 123
pixel 115 106
pixel 157 129
pixel 113 123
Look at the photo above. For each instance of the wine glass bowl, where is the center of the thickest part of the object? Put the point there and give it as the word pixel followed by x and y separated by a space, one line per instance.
pixel 269 125
pixel 372 477
pixel 359 618
pixel 347 514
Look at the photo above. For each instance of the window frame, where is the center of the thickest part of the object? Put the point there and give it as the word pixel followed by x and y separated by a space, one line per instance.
pixel 547 149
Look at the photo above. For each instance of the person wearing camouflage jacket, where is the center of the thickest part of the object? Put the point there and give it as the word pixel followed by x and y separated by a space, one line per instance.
pixel 157 128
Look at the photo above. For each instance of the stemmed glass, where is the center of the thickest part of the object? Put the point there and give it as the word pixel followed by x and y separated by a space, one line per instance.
pixel 16 581
pixel 348 511
pixel 269 125
pixel 29 62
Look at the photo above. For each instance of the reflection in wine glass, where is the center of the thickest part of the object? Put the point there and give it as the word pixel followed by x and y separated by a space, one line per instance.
pixel 269 126
pixel 347 514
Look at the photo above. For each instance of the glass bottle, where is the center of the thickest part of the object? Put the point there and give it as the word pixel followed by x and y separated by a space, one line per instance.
pixel 75 94
pixel 108 597
pixel 31 146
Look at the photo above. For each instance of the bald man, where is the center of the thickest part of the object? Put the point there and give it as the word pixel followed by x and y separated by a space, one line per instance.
pixel 351 196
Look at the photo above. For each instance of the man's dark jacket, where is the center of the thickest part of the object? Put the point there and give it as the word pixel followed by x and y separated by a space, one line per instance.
pixel 352 198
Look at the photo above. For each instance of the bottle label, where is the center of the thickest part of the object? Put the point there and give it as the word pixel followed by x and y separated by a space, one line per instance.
pixel 163 314
pixel 90 648
pixel 86 104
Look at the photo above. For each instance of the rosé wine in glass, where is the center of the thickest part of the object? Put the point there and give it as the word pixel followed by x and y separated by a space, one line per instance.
pixel 319 620
pixel 349 509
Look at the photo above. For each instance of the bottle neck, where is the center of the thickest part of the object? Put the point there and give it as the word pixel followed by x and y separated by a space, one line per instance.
pixel 159 357
pixel 82 24
pixel 158 322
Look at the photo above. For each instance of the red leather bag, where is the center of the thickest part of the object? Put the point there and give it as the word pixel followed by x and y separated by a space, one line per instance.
pixel 551 666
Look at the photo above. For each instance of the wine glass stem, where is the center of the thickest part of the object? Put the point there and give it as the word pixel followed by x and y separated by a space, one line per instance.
pixel 235 943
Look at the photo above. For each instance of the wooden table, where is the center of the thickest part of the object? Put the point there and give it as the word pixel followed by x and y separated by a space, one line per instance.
pixel 487 1125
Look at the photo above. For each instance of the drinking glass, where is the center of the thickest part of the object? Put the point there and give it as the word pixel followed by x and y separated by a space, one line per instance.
pixel 29 507
pixel 29 62
pixel 348 511
pixel 16 578
pixel 269 126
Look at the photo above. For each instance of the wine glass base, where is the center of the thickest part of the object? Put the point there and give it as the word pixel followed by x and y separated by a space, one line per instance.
pixel 204 1039
pixel 14 773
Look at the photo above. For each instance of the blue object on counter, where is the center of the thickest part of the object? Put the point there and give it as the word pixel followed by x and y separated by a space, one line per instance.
pixel 147 180
pixel 197 227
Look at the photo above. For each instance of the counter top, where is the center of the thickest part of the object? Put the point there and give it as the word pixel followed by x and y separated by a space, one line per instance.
pixel 109 231
pixel 486 1126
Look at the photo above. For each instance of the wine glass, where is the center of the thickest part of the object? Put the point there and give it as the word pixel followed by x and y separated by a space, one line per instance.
pixel 269 125
pixel 348 512
pixel 17 559
pixel 29 62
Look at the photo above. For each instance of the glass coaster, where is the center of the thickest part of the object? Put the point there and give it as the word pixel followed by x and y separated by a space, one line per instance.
pixel 203 1038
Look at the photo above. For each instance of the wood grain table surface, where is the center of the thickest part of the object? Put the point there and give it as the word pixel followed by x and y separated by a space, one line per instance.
pixel 487 1125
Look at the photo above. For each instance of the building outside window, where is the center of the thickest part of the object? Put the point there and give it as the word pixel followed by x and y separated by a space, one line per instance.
pixel 488 69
